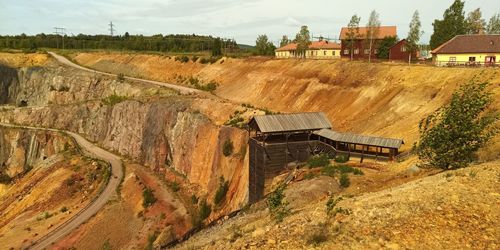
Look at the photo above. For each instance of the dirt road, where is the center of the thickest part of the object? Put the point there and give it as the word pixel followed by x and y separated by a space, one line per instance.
pixel 181 89
pixel 90 210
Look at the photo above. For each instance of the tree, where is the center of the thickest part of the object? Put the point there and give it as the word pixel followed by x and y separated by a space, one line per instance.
pixel 475 23
pixel 303 39
pixel 352 34
pixel 453 24
pixel 372 31
pixel 284 41
pixel 413 35
pixel 385 44
pixel 217 47
pixel 263 46
pixel 452 135
pixel 494 24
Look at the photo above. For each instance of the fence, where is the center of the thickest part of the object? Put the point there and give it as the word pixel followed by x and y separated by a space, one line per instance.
pixel 466 64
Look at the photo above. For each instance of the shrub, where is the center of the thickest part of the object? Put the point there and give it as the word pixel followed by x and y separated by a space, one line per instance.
pixel 64 209
pixel 320 160
pixel 341 158
pixel 227 148
pixel 106 245
pixel 452 135
pixel 204 210
pixel 120 77
pixel 348 169
pixel 194 58
pixel 317 235
pixel 310 175
pixel 5 178
pixel 221 192
pixel 148 198
pixel 278 208
pixel 64 89
pixel 22 103
pixel 114 99
pixel 174 186
pixel 328 170
pixel 344 180
pixel 194 199
pixel 182 59
pixel 332 209
pixel 151 239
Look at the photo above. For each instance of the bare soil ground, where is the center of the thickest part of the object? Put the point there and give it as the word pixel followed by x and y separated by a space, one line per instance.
pixel 46 197
pixel 450 210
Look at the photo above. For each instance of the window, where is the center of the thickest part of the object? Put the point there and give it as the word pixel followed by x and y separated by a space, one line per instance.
pixel 453 59
pixel 324 53
pixel 472 58
pixel 333 53
pixel 403 48
pixel 375 51
pixel 367 51
pixel 356 51
pixel 346 52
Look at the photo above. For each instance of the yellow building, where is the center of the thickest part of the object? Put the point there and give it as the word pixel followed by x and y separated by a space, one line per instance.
pixel 468 50
pixel 317 50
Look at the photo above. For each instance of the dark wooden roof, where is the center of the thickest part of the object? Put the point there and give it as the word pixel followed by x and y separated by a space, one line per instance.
pixel 470 44
pixel 360 139
pixel 290 122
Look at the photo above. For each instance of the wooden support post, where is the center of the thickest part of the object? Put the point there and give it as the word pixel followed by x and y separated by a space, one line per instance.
pixel 362 153
pixel 376 154
pixel 349 149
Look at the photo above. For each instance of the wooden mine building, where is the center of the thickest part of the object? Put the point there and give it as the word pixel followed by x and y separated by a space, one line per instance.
pixel 275 141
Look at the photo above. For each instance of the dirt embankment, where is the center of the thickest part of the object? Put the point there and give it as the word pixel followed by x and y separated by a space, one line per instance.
pixel 377 99
pixel 451 210
pixel 44 182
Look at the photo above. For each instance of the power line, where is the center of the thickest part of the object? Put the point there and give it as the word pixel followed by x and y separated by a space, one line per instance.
pixel 111 29
pixel 62 32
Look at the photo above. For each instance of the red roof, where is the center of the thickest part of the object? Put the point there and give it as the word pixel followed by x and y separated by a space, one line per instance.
pixel 470 44
pixel 314 45
pixel 324 45
pixel 384 31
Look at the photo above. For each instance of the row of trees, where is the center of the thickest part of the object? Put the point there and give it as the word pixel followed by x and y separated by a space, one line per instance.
pixel 167 43
pixel 455 23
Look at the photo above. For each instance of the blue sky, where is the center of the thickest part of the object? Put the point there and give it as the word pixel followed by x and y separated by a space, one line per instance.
pixel 243 20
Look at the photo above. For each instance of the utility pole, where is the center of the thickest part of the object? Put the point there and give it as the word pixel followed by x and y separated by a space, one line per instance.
pixel 111 29
pixel 62 32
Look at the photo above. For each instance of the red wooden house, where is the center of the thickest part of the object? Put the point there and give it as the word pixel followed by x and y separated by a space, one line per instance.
pixel 399 51
pixel 361 48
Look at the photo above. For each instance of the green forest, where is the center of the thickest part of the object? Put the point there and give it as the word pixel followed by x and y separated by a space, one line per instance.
pixel 162 43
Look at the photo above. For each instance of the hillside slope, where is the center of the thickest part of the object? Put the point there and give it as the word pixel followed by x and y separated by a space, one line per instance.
pixel 378 99
pixel 452 210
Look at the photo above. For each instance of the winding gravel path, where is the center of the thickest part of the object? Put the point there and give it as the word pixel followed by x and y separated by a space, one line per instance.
pixel 181 89
pixel 96 205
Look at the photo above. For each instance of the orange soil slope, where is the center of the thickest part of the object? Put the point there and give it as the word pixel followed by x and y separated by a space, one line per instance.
pixel 378 99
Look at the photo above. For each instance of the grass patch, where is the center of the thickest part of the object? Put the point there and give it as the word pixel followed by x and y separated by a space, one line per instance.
pixel 114 99
pixel 277 205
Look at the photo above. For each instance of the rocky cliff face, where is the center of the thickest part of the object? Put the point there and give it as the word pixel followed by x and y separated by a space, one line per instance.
pixel 149 125
pixel 21 150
